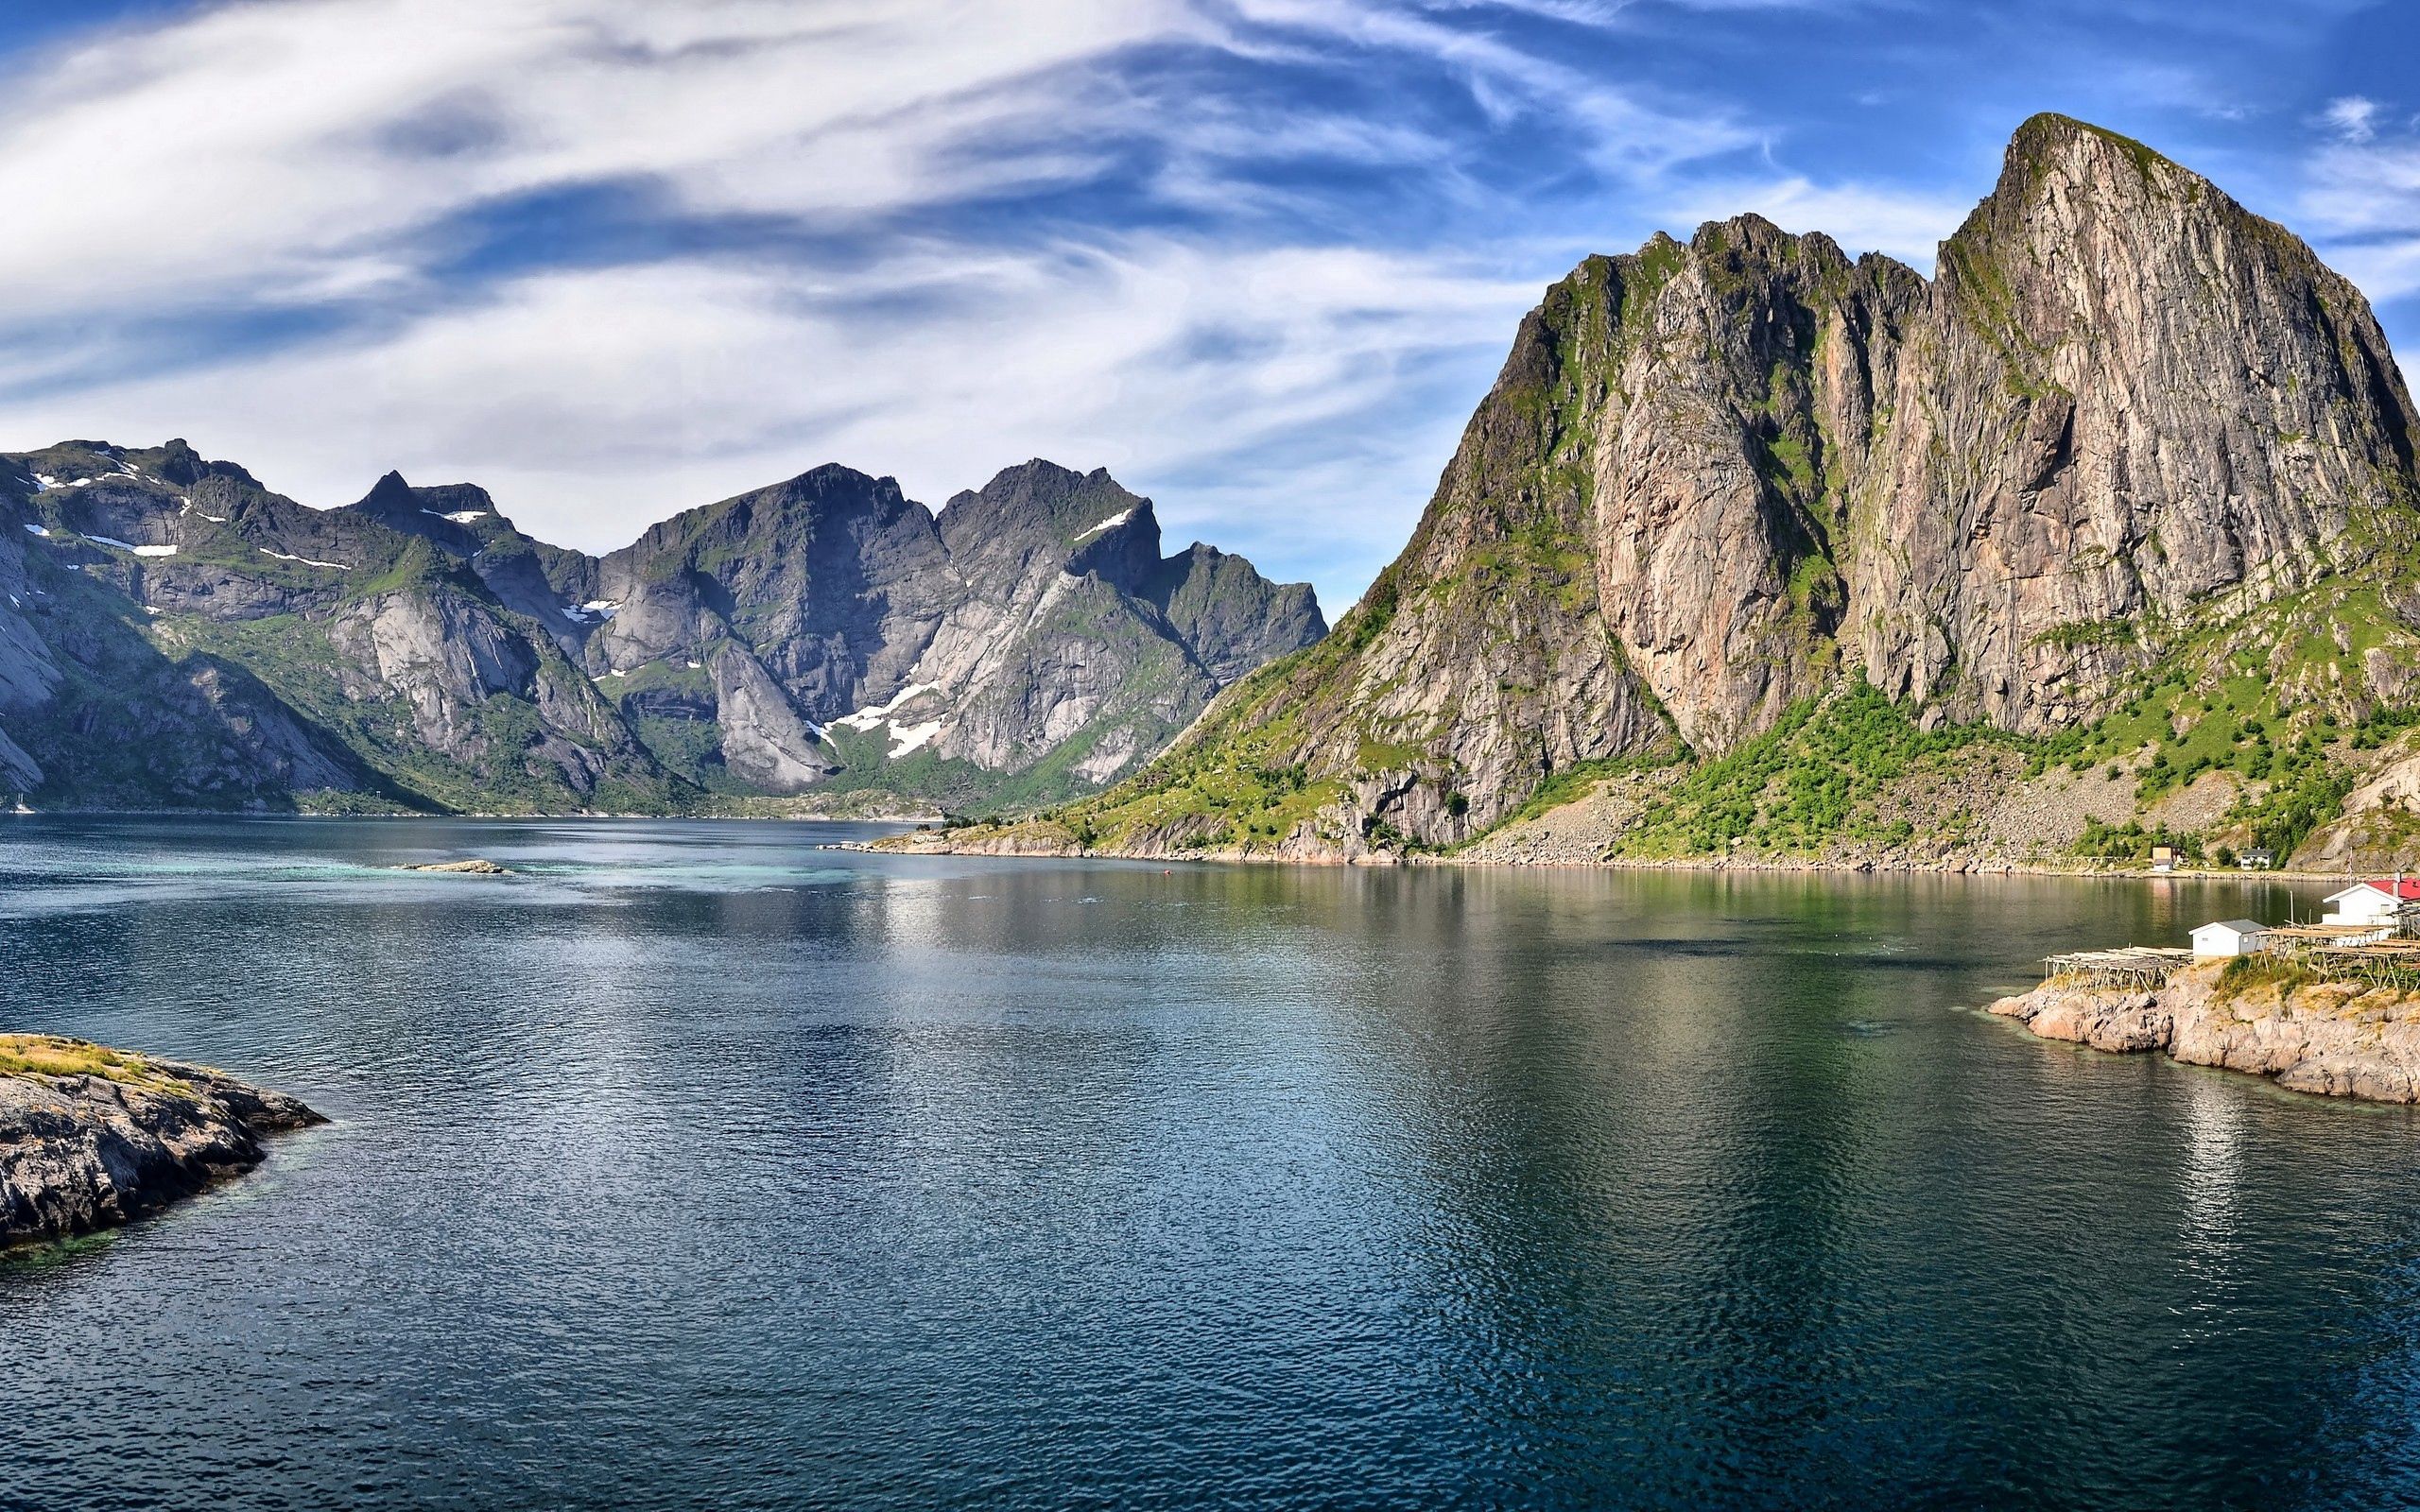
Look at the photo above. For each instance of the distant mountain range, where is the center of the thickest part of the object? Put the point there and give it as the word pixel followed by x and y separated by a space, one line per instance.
pixel 2110 531
pixel 174 635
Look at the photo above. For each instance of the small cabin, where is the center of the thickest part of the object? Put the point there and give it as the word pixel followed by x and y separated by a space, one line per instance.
pixel 2163 858
pixel 2372 903
pixel 2229 936
pixel 2259 858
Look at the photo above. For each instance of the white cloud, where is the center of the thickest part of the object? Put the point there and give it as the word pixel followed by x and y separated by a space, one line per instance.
pixel 2360 202
pixel 2353 117
pixel 2384 270
pixel 1623 131
pixel 359 124
pixel 145 168
pixel 2357 191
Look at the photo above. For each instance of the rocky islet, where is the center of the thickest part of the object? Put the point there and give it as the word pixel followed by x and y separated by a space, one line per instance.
pixel 92 1138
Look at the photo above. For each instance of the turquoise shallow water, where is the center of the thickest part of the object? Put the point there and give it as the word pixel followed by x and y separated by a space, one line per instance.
pixel 696 1165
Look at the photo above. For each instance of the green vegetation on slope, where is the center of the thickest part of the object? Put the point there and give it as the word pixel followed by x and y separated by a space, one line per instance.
pixel 1810 780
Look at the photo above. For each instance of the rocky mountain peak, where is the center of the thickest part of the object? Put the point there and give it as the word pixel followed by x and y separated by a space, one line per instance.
pixel 2049 150
pixel 1750 239
pixel 179 464
pixel 836 481
pixel 1037 520
pixel 1717 480
pixel 390 495
pixel 1039 497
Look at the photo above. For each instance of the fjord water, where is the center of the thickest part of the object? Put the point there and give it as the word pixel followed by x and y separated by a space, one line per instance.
pixel 694 1164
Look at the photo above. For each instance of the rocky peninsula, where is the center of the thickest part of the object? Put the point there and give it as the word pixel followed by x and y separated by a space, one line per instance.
pixel 2271 1018
pixel 92 1137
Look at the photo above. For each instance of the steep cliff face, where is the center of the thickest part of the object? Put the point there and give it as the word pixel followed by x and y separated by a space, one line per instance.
pixel 2128 433
pixel 831 629
pixel 832 578
pixel 2146 406
pixel 462 520
pixel 1075 639
pixel 171 633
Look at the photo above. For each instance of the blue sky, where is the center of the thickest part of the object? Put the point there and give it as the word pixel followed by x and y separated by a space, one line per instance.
pixel 1258 257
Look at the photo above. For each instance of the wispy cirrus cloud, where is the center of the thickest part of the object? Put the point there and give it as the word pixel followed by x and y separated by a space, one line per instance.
pixel 362 123
pixel 2354 117
pixel 2361 196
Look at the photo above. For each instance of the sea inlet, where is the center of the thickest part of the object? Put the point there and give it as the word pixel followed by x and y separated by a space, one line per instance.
pixel 693 1163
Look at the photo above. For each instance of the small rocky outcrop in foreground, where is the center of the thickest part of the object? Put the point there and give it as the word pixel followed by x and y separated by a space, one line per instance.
pixel 92 1137
pixel 2339 1038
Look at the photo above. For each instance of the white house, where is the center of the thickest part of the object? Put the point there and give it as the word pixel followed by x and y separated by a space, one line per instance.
pixel 2229 936
pixel 2372 903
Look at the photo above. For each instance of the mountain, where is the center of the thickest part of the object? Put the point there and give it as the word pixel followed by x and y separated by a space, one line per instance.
pixel 1751 544
pixel 831 628
pixel 174 635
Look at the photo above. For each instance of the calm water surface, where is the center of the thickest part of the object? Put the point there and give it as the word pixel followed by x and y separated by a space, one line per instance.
pixel 695 1165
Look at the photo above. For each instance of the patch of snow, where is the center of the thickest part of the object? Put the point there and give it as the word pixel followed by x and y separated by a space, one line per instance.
pixel 868 718
pixel 463 517
pixel 43 483
pixel 153 608
pixel 905 738
pixel 38 530
pixel 694 665
pixel 113 540
pixel 603 607
pixel 575 616
pixel 307 561
pixel 1109 524
pixel 155 551
pixel 616 672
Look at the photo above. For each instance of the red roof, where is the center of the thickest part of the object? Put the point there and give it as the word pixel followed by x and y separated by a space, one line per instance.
pixel 2406 890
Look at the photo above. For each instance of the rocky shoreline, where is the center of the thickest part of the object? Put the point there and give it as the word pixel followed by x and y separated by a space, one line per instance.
pixel 92 1138
pixel 2311 1033
pixel 1011 843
